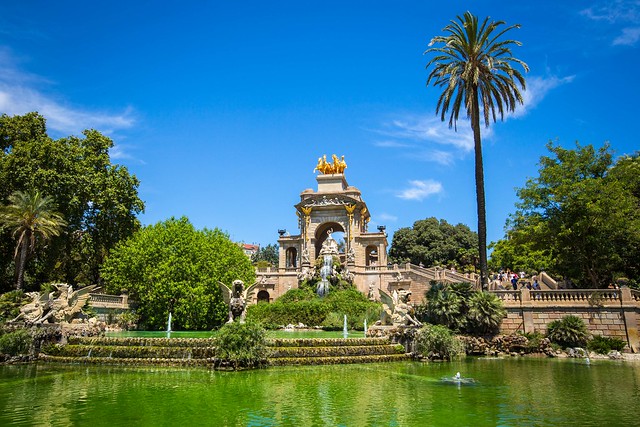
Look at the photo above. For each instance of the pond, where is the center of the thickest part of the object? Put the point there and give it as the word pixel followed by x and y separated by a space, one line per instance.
pixel 512 391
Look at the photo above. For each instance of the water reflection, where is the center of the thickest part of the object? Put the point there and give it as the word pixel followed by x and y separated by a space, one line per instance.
pixel 505 392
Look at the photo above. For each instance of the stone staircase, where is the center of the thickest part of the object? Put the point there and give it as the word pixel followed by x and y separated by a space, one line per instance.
pixel 319 351
pixel 189 352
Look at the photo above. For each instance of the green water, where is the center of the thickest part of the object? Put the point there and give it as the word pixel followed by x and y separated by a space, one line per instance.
pixel 509 392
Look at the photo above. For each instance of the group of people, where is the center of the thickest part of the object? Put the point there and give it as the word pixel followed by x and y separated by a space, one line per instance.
pixel 517 280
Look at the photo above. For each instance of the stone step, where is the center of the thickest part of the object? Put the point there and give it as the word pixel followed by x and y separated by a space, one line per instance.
pixel 346 351
pixel 326 342
pixel 120 351
pixel 127 361
pixel 286 361
pixel 143 342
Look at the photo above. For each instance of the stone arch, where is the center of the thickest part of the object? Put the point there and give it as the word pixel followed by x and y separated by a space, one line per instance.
pixel 371 255
pixel 321 233
pixel 263 296
pixel 291 258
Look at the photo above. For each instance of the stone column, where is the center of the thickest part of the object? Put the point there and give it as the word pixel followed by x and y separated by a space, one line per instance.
pixel 630 318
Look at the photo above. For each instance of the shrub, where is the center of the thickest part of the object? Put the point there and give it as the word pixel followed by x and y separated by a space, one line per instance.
pixel 10 304
pixel 445 308
pixel 570 331
pixel 241 345
pixel 303 306
pixel 603 345
pixel 16 342
pixel 485 313
pixel 436 341
pixel 333 322
pixel 534 341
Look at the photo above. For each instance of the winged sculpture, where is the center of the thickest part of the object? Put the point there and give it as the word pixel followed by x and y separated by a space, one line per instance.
pixel 237 298
pixel 396 308
pixel 59 306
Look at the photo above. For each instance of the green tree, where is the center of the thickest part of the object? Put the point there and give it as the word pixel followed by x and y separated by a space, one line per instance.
pixel 171 267
pixel 431 242
pixel 97 199
pixel 29 215
pixel 474 66
pixel 582 213
pixel 268 254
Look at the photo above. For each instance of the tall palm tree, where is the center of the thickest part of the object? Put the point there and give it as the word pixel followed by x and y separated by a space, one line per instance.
pixel 28 215
pixel 475 69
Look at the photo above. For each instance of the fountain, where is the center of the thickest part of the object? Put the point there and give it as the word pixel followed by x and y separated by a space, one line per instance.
pixel 325 273
pixel 169 326
pixel 328 251
pixel 345 333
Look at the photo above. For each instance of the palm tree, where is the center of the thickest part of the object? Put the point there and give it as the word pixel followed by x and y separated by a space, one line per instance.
pixel 475 69
pixel 27 215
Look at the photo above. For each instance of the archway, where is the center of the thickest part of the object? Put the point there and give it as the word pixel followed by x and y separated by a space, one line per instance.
pixel 292 258
pixel 263 296
pixel 337 234
pixel 371 255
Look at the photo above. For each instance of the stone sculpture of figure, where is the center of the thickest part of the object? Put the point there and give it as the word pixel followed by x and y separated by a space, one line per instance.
pixel 329 246
pixel 351 255
pixel 60 306
pixel 397 310
pixel 305 256
pixel 237 299
pixel 370 294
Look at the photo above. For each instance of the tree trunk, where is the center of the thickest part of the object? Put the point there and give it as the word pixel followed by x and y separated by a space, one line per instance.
pixel 482 216
pixel 22 262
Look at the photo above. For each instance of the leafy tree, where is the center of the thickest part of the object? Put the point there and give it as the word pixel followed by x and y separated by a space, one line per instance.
pixel 97 199
pixel 268 254
pixel 172 267
pixel 431 242
pixel 28 216
pixel 475 69
pixel 581 214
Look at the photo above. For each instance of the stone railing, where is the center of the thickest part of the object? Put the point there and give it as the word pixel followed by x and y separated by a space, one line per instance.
pixel 508 296
pixel 109 301
pixel 569 297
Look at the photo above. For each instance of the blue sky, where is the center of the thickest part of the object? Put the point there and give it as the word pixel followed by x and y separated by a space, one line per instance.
pixel 221 109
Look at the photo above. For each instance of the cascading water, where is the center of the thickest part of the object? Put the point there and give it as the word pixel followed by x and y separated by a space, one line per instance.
pixel 345 332
pixel 169 325
pixel 325 273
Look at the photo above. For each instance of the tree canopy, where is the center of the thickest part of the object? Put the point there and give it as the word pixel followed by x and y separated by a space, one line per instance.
pixel 434 242
pixel 97 199
pixel 580 217
pixel 172 267
pixel 266 254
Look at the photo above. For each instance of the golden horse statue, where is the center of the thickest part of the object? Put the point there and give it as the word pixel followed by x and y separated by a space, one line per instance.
pixel 326 168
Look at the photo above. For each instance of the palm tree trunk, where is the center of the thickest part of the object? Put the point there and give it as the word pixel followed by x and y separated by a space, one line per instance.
pixel 482 216
pixel 20 266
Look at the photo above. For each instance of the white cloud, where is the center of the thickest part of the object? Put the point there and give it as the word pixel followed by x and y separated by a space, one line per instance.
pixel 629 37
pixel 19 94
pixel 419 190
pixel 391 144
pixel 537 89
pixel 432 129
pixel 615 13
